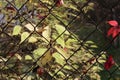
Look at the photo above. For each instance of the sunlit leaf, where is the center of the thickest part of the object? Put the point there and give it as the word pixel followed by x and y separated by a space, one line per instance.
pixel 61 73
pixel 32 39
pixel 61 42
pixel 76 66
pixel 29 77
pixel 46 34
pixel 18 56
pixel 45 59
pixel 58 58
pixel 96 68
pixel 73 7
pixel 31 26
pixel 17 30
pixel 24 35
pixel 2 59
pixel 60 29
pixel 69 41
pixel 89 42
pixel 62 52
pixel 46 1
pixel 101 60
pixel 38 52
pixel 68 67
pixel 94 46
pixel 28 57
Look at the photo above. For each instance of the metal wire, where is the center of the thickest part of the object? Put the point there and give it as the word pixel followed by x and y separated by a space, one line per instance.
pixel 88 51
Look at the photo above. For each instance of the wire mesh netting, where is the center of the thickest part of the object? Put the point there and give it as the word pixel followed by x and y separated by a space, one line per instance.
pixel 59 40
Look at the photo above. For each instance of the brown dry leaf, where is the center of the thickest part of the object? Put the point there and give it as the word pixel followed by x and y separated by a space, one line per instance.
pixel 40 30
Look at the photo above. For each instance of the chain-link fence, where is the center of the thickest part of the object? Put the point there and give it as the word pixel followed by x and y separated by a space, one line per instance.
pixel 59 40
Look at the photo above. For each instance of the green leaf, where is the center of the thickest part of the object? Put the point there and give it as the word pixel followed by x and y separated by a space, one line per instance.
pixel 60 40
pixel 24 35
pixel 68 67
pixel 75 66
pixel 17 30
pixel 62 52
pixel 69 41
pixel 96 68
pixel 73 7
pixel 3 3
pixel 60 29
pixel 94 46
pixel 61 73
pixel 29 77
pixel 58 58
pixel 28 57
pixel 32 39
pixel 38 52
pixel 19 3
pixel 89 42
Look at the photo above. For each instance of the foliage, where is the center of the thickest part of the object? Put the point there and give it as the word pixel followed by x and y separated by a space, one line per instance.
pixel 38 35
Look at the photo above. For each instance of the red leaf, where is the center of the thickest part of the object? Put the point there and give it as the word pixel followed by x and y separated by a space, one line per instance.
pixel 113 23
pixel 110 31
pixel 65 49
pixel 119 29
pixel 40 16
pixel 115 33
pixel 60 3
pixel 40 71
pixel 91 60
pixel 109 63
pixel 10 8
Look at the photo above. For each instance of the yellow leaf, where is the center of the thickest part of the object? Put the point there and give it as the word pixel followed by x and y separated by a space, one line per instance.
pixel 31 27
pixel 18 56
pixel 45 59
pixel 46 34
pixel 30 1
